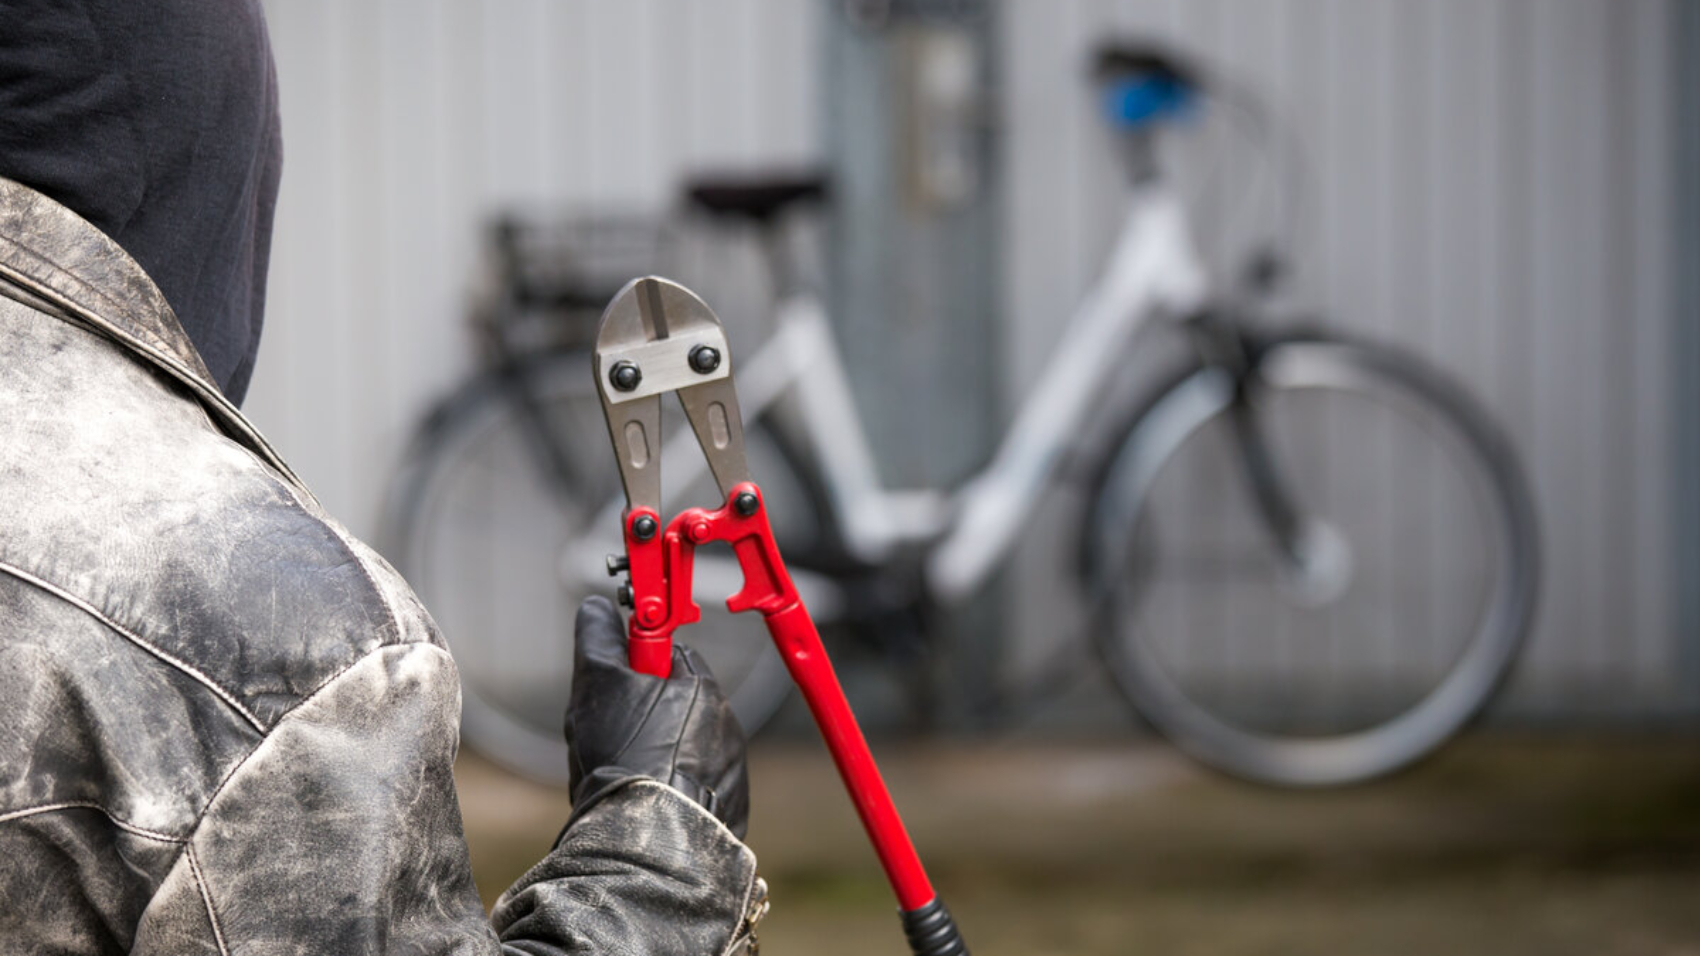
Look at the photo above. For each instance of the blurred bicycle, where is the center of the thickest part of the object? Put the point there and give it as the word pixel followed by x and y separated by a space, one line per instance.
pixel 1308 559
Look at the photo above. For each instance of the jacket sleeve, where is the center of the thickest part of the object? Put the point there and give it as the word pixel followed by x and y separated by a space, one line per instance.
pixel 341 833
pixel 645 870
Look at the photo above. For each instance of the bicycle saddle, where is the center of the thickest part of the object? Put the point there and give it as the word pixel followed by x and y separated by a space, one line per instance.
pixel 755 197
pixel 1118 61
pixel 1141 84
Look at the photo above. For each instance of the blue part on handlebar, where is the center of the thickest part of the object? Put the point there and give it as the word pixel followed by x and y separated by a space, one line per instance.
pixel 1140 101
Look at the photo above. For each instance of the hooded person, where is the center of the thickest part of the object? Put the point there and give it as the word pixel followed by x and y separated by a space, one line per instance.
pixel 226 725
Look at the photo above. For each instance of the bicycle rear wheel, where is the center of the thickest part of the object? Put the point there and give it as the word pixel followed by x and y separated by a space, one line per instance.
pixel 502 548
pixel 1391 616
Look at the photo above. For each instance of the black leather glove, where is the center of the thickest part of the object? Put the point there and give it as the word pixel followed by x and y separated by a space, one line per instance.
pixel 622 724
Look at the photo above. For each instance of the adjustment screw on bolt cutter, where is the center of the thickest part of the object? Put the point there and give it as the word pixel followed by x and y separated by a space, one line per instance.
pixel 746 503
pixel 617 563
pixel 625 376
pixel 705 359
pixel 643 528
pixel 624 595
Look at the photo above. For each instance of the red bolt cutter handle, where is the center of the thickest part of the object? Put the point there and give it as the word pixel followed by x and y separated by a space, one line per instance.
pixel 661 587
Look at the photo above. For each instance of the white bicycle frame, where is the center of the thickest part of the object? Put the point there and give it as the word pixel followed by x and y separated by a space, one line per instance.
pixel 1153 270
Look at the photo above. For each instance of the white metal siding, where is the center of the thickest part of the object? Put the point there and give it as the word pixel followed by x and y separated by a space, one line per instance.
pixel 407 121
pixel 1492 186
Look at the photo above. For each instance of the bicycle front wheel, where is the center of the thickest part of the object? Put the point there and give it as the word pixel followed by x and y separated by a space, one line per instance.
pixel 501 521
pixel 1352 625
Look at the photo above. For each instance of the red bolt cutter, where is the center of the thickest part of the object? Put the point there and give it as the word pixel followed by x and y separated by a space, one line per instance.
pixel 656 337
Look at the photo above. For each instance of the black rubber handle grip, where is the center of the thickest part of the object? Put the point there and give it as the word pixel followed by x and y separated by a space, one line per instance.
pixel 932 932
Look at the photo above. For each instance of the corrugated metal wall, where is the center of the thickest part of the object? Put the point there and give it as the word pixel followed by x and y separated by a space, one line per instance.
pixel 406 122
pixel 1685 353
pixel 1492 186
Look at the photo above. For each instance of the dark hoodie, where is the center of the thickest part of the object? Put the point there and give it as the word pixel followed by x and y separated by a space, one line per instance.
pixel 157 121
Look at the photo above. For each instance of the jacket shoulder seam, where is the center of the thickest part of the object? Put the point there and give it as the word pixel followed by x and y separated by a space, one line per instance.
pixel 206 898
pixel 327 682
pixel 224 782
pixel 117 821
pixel 172 660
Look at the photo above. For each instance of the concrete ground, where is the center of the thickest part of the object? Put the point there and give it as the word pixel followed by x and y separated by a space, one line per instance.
pixel 1502 845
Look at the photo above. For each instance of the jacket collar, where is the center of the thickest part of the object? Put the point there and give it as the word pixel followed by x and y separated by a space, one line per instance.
pixel 60 263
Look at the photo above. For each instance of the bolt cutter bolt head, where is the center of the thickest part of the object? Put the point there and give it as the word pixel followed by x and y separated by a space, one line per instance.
pixel 625 376
pixel 617 563
pixel 705 359
pixel 644 528
pixel 746 504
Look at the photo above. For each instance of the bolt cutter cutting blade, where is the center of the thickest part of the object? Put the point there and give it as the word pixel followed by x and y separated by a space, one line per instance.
pixel 655 337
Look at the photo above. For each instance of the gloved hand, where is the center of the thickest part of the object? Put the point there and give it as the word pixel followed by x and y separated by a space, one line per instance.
pixel 621 724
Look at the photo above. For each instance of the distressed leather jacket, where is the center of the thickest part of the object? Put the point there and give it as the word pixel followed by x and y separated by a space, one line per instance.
pixel 226 726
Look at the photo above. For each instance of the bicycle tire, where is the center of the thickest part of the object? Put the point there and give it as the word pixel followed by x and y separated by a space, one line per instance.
pixel 497 553
pixel 1124 560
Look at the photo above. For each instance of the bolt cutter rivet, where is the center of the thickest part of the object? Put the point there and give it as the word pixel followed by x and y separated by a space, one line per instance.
pixel 746 503
pixel 625 376
pixel 705 359
pixel 652 612
pixel 643 528
pixel 698 531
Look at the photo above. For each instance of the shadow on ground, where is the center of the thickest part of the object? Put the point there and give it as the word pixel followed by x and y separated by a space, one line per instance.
pixel 1500 845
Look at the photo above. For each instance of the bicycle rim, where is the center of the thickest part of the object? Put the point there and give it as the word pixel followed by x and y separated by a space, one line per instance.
pixel 1406 612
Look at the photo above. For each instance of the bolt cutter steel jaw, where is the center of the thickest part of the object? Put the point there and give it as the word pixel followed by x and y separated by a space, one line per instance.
pixel 657 337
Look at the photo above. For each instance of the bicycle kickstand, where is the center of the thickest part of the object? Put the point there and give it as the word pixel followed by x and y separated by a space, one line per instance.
pixel 656 337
